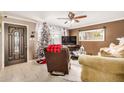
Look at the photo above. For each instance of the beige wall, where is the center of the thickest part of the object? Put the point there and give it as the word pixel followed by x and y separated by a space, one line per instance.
pixel 113 30
pixel 31 27
pixel 0 43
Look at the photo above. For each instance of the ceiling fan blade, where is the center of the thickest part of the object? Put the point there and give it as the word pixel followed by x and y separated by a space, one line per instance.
pixel 63 18
pixel 79 17
pixel 66 22
pixel 77 21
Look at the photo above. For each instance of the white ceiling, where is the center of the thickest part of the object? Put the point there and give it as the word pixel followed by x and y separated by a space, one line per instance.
pixel 93 17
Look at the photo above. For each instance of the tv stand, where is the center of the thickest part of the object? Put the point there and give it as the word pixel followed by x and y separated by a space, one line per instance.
pixel 73 49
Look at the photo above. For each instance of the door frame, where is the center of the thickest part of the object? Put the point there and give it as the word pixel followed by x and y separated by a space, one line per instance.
pixel 3 42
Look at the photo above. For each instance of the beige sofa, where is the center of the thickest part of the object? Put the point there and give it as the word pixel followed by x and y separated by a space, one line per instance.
pixel 101 69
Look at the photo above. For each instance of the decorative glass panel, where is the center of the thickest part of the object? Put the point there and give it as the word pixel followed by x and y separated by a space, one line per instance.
pixel 10 45
pixel 16 42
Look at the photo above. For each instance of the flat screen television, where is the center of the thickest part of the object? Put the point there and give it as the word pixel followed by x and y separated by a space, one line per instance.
pixel 69 40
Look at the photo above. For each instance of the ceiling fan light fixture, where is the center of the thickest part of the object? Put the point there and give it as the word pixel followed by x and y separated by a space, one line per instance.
pixel 72 21
pixel 69 22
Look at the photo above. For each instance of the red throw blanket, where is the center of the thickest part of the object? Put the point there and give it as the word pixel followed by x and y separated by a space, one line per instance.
pixel 41 61
pixel 54 48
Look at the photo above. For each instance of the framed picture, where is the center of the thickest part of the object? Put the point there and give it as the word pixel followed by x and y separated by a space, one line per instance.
pixel 92 35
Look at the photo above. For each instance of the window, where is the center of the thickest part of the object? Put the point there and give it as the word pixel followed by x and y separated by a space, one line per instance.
pixel 92 35
pixel 56 34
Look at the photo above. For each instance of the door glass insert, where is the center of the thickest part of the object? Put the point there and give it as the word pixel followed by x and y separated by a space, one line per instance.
pixel 16 42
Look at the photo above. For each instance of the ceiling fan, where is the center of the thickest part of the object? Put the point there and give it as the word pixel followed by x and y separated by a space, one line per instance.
pixel 72 18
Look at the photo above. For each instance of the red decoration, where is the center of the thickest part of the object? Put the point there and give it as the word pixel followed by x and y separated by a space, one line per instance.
pixel 41 61
pixel 54 48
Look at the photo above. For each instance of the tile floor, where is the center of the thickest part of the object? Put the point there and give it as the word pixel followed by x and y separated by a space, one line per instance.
pixel 33 72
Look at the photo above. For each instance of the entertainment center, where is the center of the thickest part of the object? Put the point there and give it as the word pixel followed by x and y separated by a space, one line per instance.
pixel 71 43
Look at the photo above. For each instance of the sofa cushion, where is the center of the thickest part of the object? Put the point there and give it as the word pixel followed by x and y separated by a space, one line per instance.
pixel 104 64
pixel 105 53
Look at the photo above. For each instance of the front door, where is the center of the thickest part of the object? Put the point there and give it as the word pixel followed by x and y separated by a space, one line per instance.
pixel 15 44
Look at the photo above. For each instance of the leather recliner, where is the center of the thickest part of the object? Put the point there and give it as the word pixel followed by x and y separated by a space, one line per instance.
pixel 58 62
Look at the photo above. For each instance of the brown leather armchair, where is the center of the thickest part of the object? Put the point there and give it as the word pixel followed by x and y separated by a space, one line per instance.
pixel 58 62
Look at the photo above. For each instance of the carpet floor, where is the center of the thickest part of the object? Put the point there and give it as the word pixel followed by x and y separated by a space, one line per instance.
pixel 33 72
